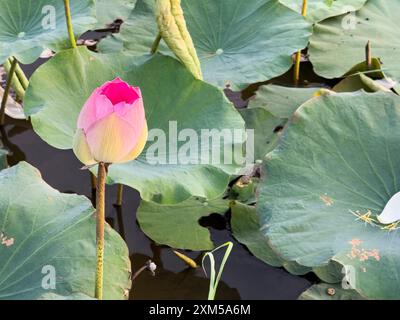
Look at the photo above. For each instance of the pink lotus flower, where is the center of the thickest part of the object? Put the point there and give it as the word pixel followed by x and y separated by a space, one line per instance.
pixel 112 125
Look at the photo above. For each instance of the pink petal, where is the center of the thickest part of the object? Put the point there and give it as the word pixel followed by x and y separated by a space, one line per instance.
pixel 95 108
pixel 119 91
pixel 111 138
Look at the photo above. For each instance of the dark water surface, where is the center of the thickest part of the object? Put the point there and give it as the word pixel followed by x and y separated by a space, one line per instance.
pixel 245 277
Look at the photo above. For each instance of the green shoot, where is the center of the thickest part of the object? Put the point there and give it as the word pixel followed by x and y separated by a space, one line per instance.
pixel 214 281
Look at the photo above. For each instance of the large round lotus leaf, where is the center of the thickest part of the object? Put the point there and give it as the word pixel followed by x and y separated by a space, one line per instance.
pixel 59 88
pixel 27 27
pixel 238 42
pixel 339 43
pixel 324 291
pixel 246 228
pixel 323 186
pixel 318 10
pixel 281 101
pixel 266 129
pixel 44 233
pixel 74 296
pixel 108 11
pixel 178 225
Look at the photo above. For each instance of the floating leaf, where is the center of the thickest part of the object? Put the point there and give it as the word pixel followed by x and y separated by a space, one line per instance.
pixel 74 296
pixel 178 225
pixel 171 97
pixel 281 101
pixel 359 82
pixel 318 10
pixel 324 291
pixel 29 27
pixel 238 42
pixel 266 130
pixel 108 11
pixel 45 233
pixel 338 44
pixel 324 185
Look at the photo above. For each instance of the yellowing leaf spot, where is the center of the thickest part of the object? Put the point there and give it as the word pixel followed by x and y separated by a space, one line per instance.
pixel 5 241
pixel 362 254
pixel 327 200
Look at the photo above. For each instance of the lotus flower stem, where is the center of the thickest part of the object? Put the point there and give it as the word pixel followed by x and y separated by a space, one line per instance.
pixel 156 43
pixel 298 53
pixel 368 55
pixel 23 80
pixel 69 23
pixel 7 91
pixel 15 83
pixel 304 8
pixel 100 224
pixel 120 193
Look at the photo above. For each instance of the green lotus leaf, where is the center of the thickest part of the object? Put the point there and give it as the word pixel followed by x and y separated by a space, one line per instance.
pixel 322 187
pixel 59 88
pixel 246 229
pixel 178 225
pixel 338 44
pixel 359 82
pixel 27 27
pixel 318 10
pixel 238 42
pixel 281 101
pixel 74 296
pixel 108 11
pixel 324 291
pixel 265 128
pixel 45 233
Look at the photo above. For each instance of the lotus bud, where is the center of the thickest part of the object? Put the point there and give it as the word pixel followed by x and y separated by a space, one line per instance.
pixel 112 125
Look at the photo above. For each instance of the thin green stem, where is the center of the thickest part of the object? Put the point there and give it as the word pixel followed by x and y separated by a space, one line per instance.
pixel 69 23
pixel 156 43
pixel 120 193
pixel 15 83
pixel 100 224
pixel 296 76
pixel 7 91
pixel 23 80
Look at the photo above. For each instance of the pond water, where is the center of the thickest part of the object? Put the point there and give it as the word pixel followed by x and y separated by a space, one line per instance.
pixel 244 277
